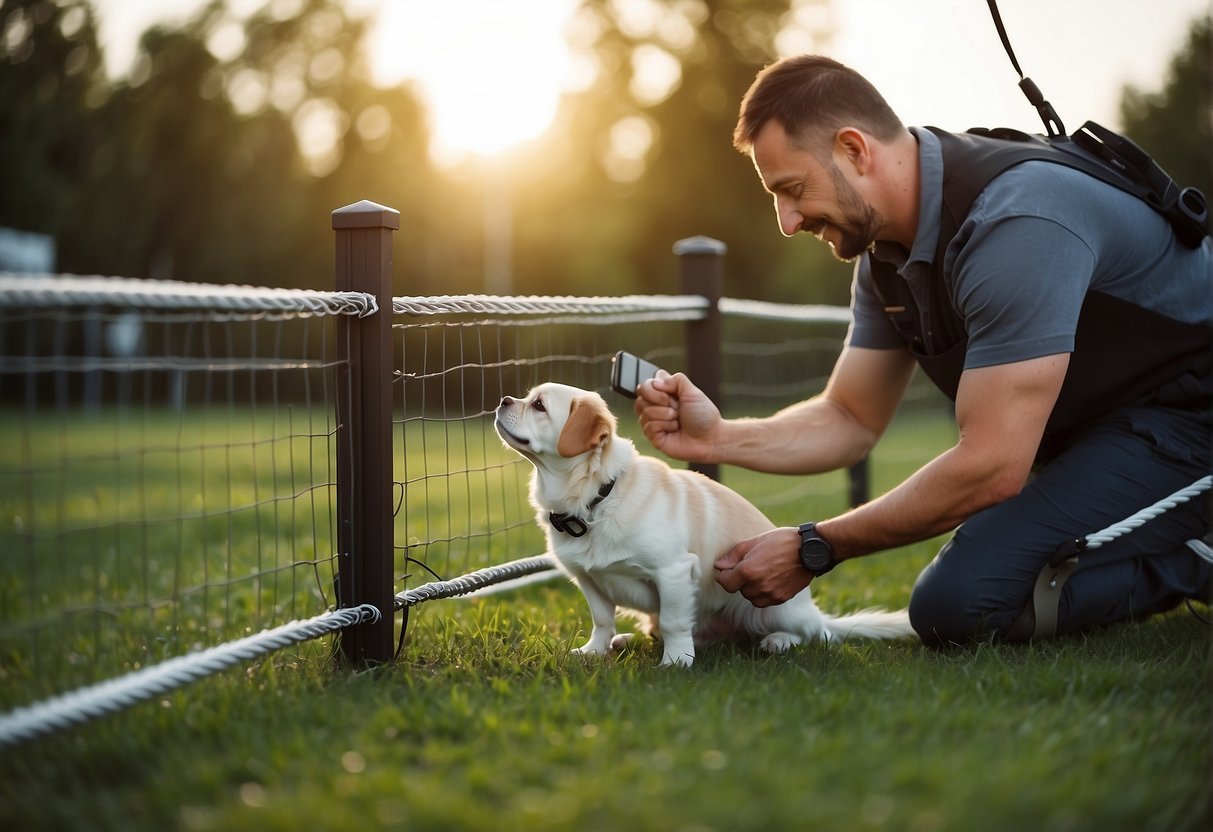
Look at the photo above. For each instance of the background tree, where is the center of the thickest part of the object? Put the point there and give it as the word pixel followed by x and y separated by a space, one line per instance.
pixel 221 155
pixel 1175 124
pixel 644 157
pixel 49 82
pixel 210 161
pixel 217 159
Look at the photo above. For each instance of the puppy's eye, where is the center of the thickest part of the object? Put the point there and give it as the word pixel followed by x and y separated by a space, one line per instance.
pixel 538 405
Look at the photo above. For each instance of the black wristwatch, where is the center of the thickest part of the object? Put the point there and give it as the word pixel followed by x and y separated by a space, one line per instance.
pixel 815 553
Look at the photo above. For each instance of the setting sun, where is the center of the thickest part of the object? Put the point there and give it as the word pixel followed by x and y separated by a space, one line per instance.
pixel 491 72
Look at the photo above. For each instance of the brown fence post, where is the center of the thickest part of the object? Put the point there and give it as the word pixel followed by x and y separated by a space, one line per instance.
pixel 859 488
pixel 701 272
pixel 364 429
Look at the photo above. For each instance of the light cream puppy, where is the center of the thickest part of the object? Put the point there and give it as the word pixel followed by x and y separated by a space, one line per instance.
pixel 640 537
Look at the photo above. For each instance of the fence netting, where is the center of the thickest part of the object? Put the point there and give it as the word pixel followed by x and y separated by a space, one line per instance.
pixel 167 475
pixel 461 496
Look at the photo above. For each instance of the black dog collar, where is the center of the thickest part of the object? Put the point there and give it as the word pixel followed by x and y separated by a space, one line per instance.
pixel 571 524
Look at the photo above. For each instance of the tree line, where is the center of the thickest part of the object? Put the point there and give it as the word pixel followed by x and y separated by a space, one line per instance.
pixel 190 167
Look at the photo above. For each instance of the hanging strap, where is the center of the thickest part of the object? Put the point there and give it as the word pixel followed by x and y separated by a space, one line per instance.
pixel 1046 597
pixel 1048 115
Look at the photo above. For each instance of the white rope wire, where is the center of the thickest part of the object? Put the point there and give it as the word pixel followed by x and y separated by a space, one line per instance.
pixel 114 695
pixel 694 306
pixel 25 291
pixel 764 310
pixel 514 584
pixel 1203 550
pixel 1094 541
pixel 474 580
pixel 42 291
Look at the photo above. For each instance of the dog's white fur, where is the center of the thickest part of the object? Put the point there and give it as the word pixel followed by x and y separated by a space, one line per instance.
pixel 651 543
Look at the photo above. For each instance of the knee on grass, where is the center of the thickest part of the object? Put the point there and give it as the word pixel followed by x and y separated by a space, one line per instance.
pixel 945 611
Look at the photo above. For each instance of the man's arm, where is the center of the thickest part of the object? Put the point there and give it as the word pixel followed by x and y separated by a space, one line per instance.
pixel 1001 413
pixel 829 431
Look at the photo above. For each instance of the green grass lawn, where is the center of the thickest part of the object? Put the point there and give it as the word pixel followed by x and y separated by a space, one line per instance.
pixel 487 722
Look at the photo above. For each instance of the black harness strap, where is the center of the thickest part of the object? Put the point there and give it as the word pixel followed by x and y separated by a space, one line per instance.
pixel 1187 209
pixel 1156 357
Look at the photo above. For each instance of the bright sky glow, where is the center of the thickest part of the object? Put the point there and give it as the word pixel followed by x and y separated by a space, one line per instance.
pixel 940 62
pixel 492 71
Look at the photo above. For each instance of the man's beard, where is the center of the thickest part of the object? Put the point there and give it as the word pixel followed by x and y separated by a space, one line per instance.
pixel 862 221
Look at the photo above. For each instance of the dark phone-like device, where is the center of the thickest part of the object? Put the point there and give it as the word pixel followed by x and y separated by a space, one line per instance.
pixel 627 371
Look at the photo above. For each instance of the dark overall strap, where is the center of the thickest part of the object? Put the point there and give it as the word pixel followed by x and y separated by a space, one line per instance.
pixel 936 340
pixel 971 161
pixel 1154 356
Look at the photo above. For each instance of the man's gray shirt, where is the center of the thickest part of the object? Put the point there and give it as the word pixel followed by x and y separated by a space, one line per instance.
pixel 1038 238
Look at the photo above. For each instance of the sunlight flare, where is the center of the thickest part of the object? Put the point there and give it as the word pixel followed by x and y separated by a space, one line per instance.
pixel 491 73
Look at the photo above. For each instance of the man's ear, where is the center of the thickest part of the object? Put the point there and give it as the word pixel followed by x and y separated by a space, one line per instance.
pixel 588 427
pixel 851 144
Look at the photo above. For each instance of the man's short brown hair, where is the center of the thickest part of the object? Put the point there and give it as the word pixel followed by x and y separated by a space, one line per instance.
pixel 812 97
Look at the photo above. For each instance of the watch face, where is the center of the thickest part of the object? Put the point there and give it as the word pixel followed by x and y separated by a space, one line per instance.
pixel 815 553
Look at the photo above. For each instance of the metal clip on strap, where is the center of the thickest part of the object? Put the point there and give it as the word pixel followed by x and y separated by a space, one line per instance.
pixel 1048 115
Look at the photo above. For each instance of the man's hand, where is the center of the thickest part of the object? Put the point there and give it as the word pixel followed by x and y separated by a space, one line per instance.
pixel 677 417
pixel 765 569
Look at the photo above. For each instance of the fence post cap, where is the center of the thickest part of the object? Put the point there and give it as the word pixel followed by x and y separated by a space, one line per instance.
pixel 366 214
pixel 699 245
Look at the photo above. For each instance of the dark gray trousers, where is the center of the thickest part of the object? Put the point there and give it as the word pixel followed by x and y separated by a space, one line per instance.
pixel 982 579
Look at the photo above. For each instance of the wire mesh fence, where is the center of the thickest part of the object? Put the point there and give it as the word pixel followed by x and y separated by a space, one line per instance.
pixel 185 466
pixel 166 479
pixel 169 479
pixel 461 497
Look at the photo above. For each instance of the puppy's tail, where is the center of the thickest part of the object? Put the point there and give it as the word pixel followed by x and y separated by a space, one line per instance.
pixel 870 623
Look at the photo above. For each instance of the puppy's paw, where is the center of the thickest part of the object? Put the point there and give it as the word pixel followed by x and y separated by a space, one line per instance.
pixel 678 655
pixel 621 641
pixel 779 642
pixel 677 660
pixel 591 649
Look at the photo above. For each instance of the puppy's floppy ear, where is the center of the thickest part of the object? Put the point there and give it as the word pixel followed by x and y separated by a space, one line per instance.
pixel 589 425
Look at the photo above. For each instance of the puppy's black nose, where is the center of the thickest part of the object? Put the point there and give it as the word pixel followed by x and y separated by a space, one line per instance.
pixel 507 401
